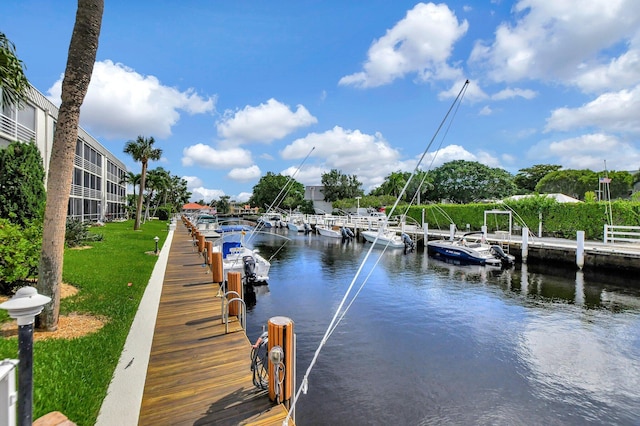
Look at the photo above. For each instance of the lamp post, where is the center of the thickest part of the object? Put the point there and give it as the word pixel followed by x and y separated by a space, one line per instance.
pixel 24 306
pixel 156 239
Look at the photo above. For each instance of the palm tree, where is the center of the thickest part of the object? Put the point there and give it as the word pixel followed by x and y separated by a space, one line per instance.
pixel 142 150
pixel 13 82
pixel 82 56
pixel 157 181
pixel 131 178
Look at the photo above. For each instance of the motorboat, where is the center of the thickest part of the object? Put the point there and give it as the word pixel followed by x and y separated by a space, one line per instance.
pixel 384 237
pixel 237 257
pixel 329 231
pixel 272 220
pixel 297 224
pixel 208 226
pixel 471 248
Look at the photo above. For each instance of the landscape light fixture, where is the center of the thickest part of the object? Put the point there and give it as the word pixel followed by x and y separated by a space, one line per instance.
pixel 24 306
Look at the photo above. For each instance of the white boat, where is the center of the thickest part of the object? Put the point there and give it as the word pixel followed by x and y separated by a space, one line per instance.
pixel 296 224
pixel 470 248
pixel 329 231
pixel 236 257
pixel 208 226
pixel 272 220
pixel 384 237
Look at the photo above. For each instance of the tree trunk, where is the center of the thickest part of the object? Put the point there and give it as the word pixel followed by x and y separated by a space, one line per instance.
pixel 82 55
pixel 143 177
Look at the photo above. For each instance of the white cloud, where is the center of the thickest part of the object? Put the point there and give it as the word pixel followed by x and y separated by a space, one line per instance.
pixel 121 103
pixel 205 194
pixel 472 93
pixel 245 174
pixel 455 152
pixel 369 157
pixel 486 110
pixel 421 43
pixel 243 197
pixel 192 181
pixel 616 112
pixel 514 93
pixel 205 156
pixel 620 72
pixel 263 123
pixel 307 175
pixel 550 40
pixel 588 152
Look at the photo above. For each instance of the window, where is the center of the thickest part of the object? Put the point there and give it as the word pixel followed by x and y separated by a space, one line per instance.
pixel 27 117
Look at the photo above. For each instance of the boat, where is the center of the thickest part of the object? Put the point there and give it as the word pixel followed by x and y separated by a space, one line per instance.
pixel 329 231
pixel 296 224
pixel 207 225
pixel 384 237
pixel 471 248
pixel 237 257
pixel 272 220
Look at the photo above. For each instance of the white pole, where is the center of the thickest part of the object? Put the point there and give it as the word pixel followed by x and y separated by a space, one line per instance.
pixel 452 231
pixel 425 228
pixel 484 232
pixel 525 244
pixel 540 225
pixel 580 249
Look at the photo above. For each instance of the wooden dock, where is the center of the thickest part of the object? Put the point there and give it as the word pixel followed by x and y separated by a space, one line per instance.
pixel 197 374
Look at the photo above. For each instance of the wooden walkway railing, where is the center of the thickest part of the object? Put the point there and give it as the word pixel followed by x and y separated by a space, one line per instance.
pixel 197 374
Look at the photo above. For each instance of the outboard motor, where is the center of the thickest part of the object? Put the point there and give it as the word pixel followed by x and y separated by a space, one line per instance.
pixel 347 234
pixel 249 269
pixel 498 253
pixel 408 243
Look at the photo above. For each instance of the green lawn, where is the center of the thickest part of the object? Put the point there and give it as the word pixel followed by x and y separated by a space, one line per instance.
pixel 72 376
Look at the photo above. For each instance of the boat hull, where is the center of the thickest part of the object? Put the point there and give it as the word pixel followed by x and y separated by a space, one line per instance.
pixel 386 239
pixel 328 232
pixel 479 255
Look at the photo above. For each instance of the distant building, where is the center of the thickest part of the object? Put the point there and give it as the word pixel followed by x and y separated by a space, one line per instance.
pixel 315 194
pixel 96 189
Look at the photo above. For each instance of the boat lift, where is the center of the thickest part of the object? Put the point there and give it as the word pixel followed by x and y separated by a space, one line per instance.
pixel 503 236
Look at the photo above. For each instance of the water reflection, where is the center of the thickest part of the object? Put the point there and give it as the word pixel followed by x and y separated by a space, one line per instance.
pixel 429 342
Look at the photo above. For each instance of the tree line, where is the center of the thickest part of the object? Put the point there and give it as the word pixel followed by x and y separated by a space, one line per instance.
pixel 457 182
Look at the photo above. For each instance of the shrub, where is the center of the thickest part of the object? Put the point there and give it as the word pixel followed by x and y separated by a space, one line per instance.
pixel 19 253
pixel 77 233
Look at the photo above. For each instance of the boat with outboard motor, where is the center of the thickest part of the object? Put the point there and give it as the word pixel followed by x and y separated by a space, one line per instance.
pixel 388 238
pixel 237 257
pixel 329 231
pixel 471 248
pixel 207 225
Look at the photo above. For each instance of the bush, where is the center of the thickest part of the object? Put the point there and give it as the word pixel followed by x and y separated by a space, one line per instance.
pixel 19 253
pixel 77 233
pixel 164 212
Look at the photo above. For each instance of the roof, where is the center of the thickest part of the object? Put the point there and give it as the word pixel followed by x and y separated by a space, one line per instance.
pixel 561 198
pixel 193 206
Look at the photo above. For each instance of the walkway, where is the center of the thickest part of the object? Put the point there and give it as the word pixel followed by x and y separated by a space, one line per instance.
pixel 195 374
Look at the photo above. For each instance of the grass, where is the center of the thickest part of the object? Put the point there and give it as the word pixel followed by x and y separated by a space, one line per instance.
pixel 72 376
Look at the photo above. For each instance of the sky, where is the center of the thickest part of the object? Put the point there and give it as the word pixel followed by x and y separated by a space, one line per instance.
pixel 231 90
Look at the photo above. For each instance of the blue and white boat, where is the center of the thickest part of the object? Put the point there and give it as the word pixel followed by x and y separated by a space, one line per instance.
pixel 470 248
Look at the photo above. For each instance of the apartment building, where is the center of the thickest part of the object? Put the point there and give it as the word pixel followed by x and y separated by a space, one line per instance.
pixel 97 191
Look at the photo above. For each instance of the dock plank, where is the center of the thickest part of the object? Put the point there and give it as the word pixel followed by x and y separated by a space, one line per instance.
pixel 197 374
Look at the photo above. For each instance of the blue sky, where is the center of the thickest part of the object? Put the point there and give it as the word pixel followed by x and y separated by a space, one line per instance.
pixel 233 90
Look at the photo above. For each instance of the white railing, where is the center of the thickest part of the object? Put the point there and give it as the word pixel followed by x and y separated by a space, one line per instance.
pixel 16 131
pixel 8 395
pixel 627 234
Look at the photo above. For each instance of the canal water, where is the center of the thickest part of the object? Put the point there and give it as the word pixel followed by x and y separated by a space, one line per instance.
pixel 429 343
